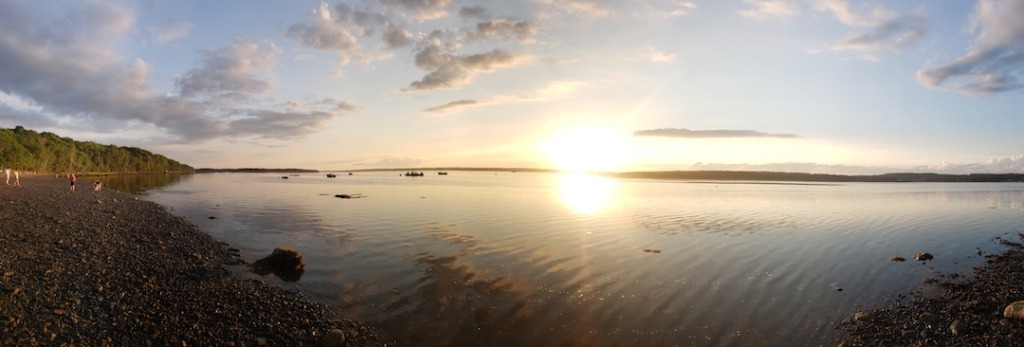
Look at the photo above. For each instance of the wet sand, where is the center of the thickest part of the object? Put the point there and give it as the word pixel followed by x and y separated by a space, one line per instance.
pixel 106 268
pixel 951 310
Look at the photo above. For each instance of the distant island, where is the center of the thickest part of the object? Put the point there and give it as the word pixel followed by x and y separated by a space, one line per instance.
pixel 256 170
pixel 27 150
pixel 769 176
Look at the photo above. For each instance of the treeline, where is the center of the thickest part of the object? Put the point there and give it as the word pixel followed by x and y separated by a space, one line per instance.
pixel 28 150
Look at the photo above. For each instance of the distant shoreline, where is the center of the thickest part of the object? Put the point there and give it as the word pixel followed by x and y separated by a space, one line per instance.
pixel 762 176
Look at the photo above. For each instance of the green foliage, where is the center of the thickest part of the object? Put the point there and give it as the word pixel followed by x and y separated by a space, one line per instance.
pixel 46 152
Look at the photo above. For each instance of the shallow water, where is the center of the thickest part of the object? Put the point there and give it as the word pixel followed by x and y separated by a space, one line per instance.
pixel 477 258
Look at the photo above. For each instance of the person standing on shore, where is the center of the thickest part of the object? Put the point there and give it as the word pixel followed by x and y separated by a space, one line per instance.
pixel 17 178
pixel 7 171
pixel 72 178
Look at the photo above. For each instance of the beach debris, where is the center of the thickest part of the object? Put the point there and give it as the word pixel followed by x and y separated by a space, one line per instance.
pixel 897 258
pixel 285 263
pixel 923 256
pixel 651 250
pixel 1014 310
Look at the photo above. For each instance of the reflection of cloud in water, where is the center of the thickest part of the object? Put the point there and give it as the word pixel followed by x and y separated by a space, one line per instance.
pixel 586 194
pixel 452 306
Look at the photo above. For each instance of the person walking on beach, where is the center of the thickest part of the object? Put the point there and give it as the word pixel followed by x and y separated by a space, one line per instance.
pixel 17 178
pixel 72 178
pixel 7 172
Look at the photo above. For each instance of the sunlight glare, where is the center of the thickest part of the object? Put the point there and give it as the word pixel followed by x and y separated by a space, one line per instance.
pixel 587 149
pixel 586 194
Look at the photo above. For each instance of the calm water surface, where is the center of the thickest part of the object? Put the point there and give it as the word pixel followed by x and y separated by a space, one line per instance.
pixel 527 259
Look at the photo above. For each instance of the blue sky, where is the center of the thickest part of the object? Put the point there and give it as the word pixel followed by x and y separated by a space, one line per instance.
pixel 792 85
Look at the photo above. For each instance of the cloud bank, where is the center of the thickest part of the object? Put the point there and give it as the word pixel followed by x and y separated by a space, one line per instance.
pixel 708 134
pixel 64 69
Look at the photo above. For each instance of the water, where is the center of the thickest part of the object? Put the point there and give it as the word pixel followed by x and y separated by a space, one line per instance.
pixel 527 259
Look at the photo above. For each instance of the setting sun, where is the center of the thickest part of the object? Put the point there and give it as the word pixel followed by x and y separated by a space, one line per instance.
pixel 587 149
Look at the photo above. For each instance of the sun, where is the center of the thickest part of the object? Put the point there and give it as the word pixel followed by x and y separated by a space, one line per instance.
pixel 587 149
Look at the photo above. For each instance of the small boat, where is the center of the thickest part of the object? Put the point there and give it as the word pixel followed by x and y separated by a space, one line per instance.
pixel 284 177
pixel 330 175
pixel 442 173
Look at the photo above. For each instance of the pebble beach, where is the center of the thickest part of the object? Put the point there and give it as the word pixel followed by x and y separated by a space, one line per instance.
pixel 105 268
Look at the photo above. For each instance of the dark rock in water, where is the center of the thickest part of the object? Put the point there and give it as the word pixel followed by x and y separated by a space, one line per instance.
pixel 898 258
pixel 923 256
pixel 285 263
pixel 1014 310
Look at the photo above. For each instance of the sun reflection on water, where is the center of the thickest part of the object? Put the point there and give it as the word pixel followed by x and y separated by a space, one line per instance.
pixel 586 194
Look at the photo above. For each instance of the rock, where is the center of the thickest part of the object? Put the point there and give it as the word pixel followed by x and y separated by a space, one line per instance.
pixel 898 258
pixel 957 328
pixel 923 256
pixel 861 315
pixel 1014 310
pixel 334 338
pixel 285 263
pixel 909 334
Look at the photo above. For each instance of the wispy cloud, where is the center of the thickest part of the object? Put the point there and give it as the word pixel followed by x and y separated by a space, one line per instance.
pixel 879 30
pixel 708 134
pixel 770 8
pixel 170 32
pixel 589 8
pixel 884 31
pixel 421 10
pixel 682 8
pixel 552 90
pixel 522 30
pixel 453 105
pixel 995 62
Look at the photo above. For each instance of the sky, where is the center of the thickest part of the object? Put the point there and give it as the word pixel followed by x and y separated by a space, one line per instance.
pixel 824 86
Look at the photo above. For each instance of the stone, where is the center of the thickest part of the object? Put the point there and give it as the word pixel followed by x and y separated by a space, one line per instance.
pixel 861 315
pixel 923 256
pixel 334 338
pixel 1014 310
pixel 898 258
pixel 958 328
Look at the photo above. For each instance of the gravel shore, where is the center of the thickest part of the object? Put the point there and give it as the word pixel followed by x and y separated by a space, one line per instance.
pixel 102 268
pixel 952 310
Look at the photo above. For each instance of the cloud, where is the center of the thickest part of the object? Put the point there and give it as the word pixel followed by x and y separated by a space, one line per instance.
pixel 64 69
pixel 278 125
pixel 885 30
pixel 708 134
pixel 657 56
pixel 339 31
pixel 501 28
pixel 171 31
pixel 770 8
pixel 474 12
pixel 421 10
pixel 590 8
pixel 231 69
pixel 550 91
pixel 881 31
pixel 683 8
pixel 452 106
pixel 1010 164
pixel 451 70
pixel 995 62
